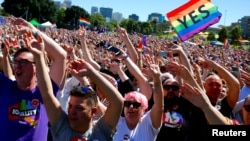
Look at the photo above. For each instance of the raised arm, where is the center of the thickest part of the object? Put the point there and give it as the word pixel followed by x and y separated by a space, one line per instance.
pixel 199 98
pixel 51 103
pixel 157 109
pixel 115 99
pixel 130 47
pixel 7 69
pixel 85 50
pixel 231 81
pixel 137 73
pixel 53 50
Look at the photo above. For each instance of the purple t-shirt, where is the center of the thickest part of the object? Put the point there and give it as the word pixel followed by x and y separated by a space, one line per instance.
pixel 23 116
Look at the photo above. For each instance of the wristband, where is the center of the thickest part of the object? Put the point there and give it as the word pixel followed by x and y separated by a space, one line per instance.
pixel 126 56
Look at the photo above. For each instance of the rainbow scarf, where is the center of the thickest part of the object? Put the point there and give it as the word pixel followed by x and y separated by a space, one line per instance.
pixel 83 21
pixel 193 17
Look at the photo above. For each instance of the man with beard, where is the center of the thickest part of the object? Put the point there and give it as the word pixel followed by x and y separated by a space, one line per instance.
pixel 176 112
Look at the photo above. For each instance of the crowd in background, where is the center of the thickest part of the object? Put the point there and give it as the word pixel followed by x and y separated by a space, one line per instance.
pixel 82 84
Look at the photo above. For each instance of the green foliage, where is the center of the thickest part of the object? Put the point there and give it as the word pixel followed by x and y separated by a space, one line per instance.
pixel 60 15
pixel 43 10
pixel 97 20
pixel 223 34
pixel 73 14
pixel 211 36
pixel 235 35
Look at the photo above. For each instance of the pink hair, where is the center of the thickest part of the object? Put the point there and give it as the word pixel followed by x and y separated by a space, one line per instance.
pixel 139 97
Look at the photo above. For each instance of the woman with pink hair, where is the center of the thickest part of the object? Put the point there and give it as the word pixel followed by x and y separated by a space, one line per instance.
pixel 138 122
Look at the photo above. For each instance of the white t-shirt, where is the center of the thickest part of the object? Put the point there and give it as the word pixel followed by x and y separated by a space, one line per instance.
pixel 144 131
pixel 63 95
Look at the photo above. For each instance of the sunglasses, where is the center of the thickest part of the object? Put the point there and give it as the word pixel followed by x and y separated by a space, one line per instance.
pixel 173 87
pixel 136 105
pixel 247 108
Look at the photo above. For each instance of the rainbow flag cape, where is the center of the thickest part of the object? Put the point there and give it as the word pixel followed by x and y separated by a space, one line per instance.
pixel 83 21
pixel 193 17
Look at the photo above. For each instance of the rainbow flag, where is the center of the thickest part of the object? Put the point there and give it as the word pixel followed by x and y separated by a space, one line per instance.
pixel 227 43
pixel 83 21
pixel 175 36
pixel 193 17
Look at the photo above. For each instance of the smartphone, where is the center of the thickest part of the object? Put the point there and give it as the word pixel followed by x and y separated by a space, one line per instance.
pixel 114 49
pixel 163 53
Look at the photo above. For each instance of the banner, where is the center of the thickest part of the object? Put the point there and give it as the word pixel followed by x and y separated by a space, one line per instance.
pixel 193 17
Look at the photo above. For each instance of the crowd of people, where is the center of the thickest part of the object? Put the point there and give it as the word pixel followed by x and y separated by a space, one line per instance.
pixel 58 84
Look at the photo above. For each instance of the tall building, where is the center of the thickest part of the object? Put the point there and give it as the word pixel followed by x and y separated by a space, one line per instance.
pixel 159 17
pixel 245 25
pixel 116 16
pixel 67 3
pixel 106 13
pixel 134 17
pixel 94 10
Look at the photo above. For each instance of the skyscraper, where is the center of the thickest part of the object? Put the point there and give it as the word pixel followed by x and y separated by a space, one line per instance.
pixel 67 3
pixel 106 13
pixel 94 10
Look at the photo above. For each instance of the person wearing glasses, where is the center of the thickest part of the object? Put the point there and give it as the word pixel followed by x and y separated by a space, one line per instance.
pixel 241 111
pixel 139 123
pixel 23 115
pixel 176 111
pixel 78 123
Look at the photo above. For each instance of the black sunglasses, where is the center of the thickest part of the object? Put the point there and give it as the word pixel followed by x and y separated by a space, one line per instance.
pixel 136 105
pixel 247 108
pixel 173 87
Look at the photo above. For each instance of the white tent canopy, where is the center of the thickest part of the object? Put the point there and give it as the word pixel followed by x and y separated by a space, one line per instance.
pixel 46 24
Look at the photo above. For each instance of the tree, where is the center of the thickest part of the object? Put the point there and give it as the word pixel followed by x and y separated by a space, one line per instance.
pixel 97 21
pixel 146 28
pixel 73 14
pixel 223 34
pixel 132 26
pixel 42 10
pixel 211 36
pixel 3 13
pixel 60 15
pixel 235 35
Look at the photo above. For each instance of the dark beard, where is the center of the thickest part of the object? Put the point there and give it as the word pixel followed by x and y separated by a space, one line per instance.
pixel 169 103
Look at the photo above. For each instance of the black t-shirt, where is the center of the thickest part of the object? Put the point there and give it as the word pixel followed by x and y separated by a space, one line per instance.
pixel 176 122
pixel 199 124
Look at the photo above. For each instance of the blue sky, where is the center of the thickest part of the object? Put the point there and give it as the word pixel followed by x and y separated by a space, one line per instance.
pixel 232 10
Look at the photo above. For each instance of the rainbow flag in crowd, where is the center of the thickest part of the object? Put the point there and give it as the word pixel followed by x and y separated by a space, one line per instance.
pixel 175 36
pixel 84 22
pixel 227 43
pixel 193 17
pixel 142 43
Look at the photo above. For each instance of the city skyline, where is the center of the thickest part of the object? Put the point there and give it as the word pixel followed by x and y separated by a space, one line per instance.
pixel 231 11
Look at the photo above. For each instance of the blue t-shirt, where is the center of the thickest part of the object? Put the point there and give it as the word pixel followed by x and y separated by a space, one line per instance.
pixel 23 116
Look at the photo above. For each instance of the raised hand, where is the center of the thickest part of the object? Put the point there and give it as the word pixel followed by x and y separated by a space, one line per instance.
pixel 36 46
